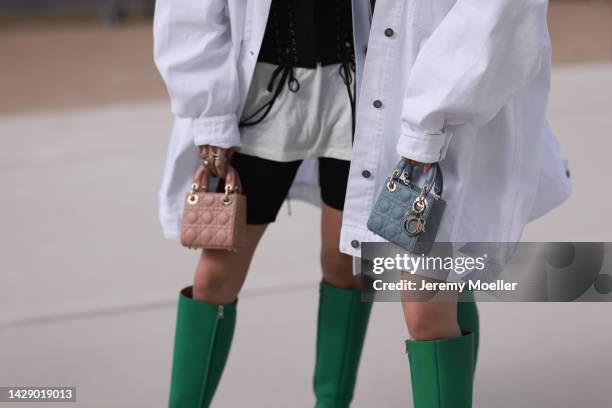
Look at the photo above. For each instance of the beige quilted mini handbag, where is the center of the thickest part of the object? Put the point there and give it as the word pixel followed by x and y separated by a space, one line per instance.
pixel 214 220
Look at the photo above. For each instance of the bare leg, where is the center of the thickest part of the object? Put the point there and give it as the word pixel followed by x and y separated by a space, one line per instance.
pixel 337 267
pixel 220 274
pixel 431 319
pixel 206 320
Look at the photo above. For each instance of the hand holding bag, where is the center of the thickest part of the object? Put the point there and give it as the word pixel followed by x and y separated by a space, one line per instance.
pixel 214 220
pixel 408 215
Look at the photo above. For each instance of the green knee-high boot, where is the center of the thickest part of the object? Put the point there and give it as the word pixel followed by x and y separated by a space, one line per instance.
pixel 442 371
pixel 467 317
pixel 342 325
pixel 203 338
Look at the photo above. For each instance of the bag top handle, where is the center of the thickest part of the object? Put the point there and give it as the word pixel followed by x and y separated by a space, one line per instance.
pixel 434 180
pixel 202 177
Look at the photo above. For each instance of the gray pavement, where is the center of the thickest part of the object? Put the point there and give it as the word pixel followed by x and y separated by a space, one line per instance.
pixel 88 285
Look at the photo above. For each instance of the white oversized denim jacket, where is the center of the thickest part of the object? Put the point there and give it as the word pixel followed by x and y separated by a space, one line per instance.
pixel 461 82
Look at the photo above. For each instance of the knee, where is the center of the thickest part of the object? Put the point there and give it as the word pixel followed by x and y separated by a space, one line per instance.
pixel 338 269
pixel 428 325
pixel 212 284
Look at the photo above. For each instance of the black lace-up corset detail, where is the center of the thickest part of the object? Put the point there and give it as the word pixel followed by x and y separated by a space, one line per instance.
pixel 302 34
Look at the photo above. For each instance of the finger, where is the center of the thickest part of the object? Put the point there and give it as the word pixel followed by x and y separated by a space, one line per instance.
pixel 220 163
pixel 207 160
pixel 203 150
pixel 424 166
pixel 204 154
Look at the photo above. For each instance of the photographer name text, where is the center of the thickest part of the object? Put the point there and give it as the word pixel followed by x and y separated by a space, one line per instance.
pixel 406 285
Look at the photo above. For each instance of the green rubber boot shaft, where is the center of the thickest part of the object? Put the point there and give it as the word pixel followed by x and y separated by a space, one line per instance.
pixel 342 325
pixel 441 372
pixel 202 342
pixel 467 317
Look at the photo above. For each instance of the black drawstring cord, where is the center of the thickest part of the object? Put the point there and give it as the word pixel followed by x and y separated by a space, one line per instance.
pixel 286 50
pixel 286 76
pixel 346 53
pixel 346 71
pixel 287 55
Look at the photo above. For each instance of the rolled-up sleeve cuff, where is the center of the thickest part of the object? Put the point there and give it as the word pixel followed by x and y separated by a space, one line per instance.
pixel 221 131
pixel 425 146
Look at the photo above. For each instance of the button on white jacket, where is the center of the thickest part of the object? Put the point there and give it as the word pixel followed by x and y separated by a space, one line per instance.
pixel 462 82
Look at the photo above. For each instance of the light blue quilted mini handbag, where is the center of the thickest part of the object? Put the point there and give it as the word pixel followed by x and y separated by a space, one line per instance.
pixel 406 214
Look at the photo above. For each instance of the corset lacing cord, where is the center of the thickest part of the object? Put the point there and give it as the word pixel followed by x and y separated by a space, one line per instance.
pixel 346 53
pixel 287 53
pixel 286 75
pixel 347 70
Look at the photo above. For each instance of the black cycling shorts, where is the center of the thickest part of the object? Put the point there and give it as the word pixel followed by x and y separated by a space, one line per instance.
pixel 266 184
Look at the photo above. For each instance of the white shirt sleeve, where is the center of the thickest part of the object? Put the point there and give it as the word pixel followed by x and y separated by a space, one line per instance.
pixel 194 55
pixel 474 61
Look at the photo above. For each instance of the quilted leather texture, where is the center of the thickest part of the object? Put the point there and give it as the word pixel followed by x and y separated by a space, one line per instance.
pixel 210 224
pixel 391 210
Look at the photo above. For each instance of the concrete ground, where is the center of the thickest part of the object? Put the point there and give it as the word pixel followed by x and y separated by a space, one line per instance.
pixel 88 286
